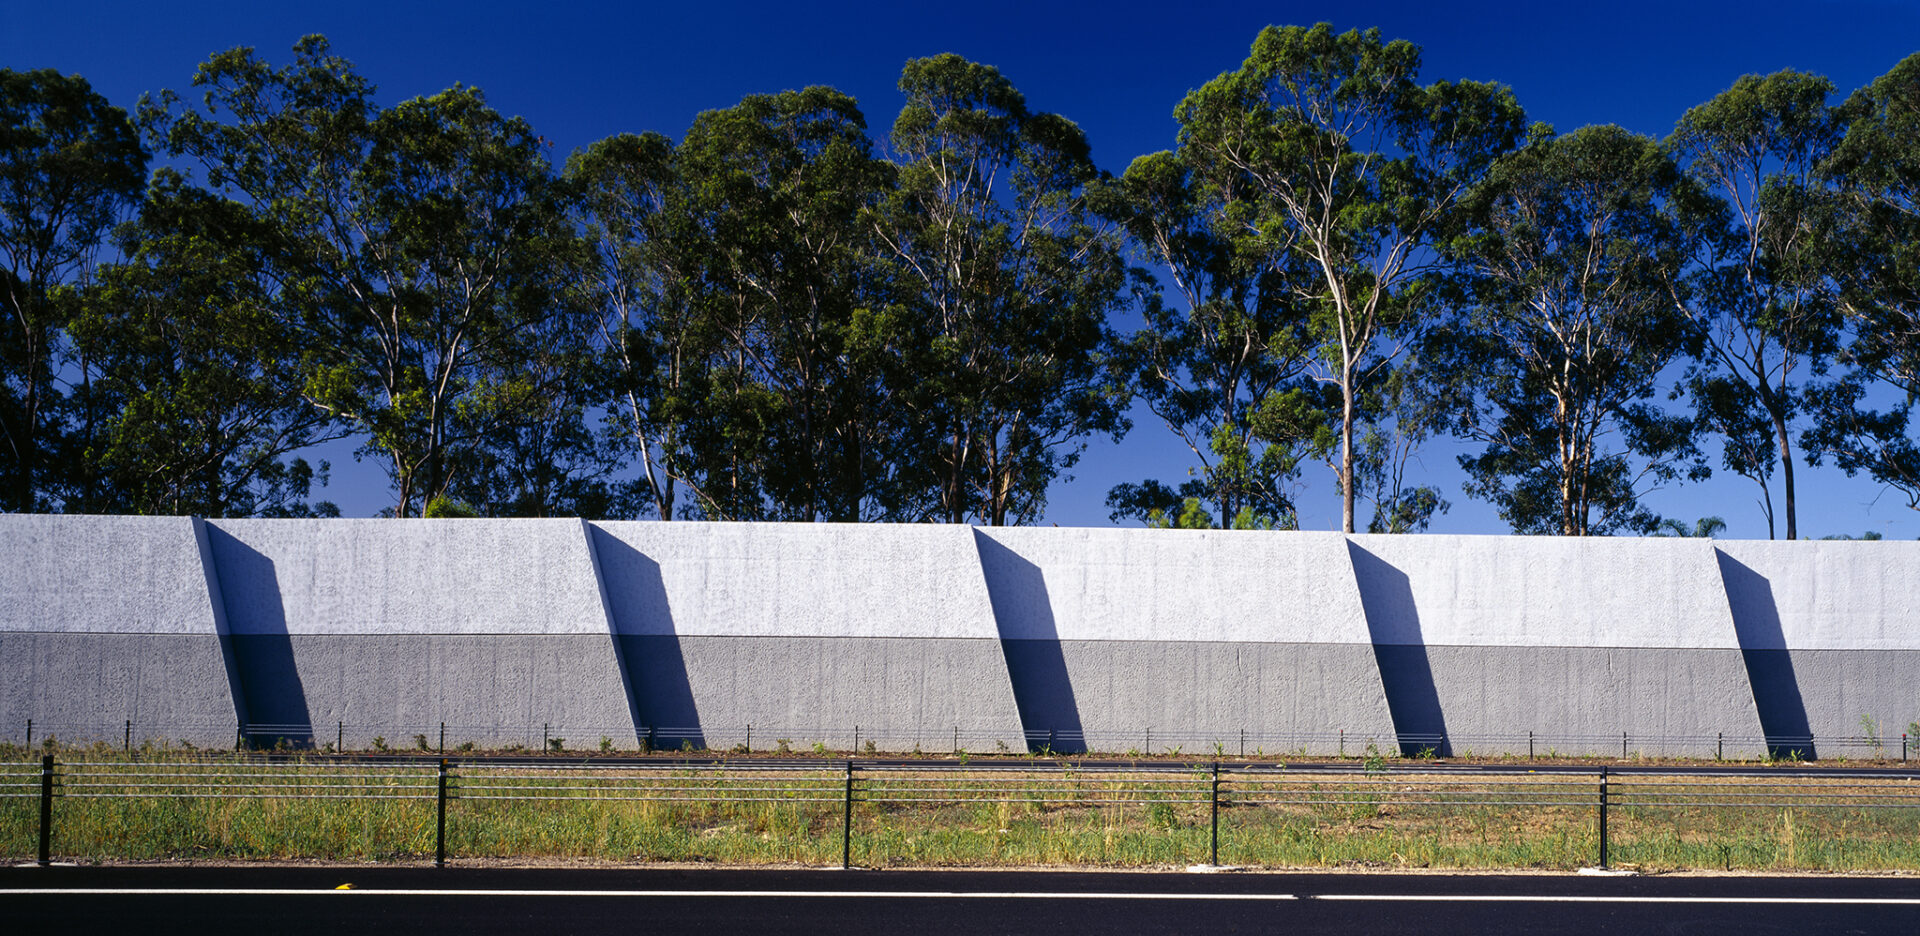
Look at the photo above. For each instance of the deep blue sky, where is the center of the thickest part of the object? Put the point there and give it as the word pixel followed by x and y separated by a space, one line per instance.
pixel 580 72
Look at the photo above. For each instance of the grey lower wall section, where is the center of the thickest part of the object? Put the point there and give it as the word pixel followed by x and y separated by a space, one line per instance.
pixel 81 687
pixel 486 688
pixel 1155 695
pixel 1806 695
pixel 899 693
pixel 1576 700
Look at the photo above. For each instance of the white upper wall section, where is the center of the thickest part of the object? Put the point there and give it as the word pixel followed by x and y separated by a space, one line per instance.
pixel 1543 591
pixel 103 575
pixel 1175 585
pixel 1826 595
pixel 793 580
pixel 407 577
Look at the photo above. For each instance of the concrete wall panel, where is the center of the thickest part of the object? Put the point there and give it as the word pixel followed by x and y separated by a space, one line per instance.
pixel 1202 633
pixel 807 629
pixel 396 626
pixel 106 619
pixel 1482 639
pixel 1831 632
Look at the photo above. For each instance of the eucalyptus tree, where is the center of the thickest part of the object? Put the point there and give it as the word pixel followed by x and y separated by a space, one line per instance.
pixel 195 378
pixel 1570 265
pixel 1761 296
pixel 638 276
pixel 418 249
pixel 71 165
pixel 1353 170
pixel 1224 367
pixel 1877 165
pixel 797 387
pixel 1006 276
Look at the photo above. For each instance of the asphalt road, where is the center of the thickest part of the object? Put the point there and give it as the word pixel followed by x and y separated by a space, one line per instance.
pixel 469 902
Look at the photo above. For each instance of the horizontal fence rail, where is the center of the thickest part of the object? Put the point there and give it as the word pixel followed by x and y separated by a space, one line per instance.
pixel 1588 806
pixel 555 737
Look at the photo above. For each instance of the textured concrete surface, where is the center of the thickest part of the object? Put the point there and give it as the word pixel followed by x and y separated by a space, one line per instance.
pixel 897 692
pixel 1193 695
pixel 407 577
pixel 1543 591
pixel 1831 633
pixel 807 628
pixel 1198 633
pixel 85 687
pixel 397 625
pixel 1481 639
pixel 105 620
pixel 1577 700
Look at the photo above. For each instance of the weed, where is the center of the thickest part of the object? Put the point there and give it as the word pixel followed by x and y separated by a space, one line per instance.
pixel 1870 731
pixel 783 745
pixel 556 745
pixel 464 746
pixel 686 746
pixel 870 749
pixel 962 753
pixel 379 743
pixel 420 741
pixel 819 749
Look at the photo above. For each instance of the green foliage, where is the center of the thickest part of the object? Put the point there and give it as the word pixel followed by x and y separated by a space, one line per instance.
pixel 1004 278
pixel 1761 294
pixel 1877 166
pixel 443 507
pixel 70 165
pixel 421 255
pixel 1570 267
pixel 1343 172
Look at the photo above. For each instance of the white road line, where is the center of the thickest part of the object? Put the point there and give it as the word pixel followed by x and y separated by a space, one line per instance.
pixel 944 895
pixel 858 895
pixel 1570 898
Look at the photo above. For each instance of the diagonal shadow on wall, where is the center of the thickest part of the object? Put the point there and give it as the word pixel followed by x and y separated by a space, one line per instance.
pixel 650 648
pixel 1400 650
pixel 276 699
pixel 1763 646
pixel 1036 664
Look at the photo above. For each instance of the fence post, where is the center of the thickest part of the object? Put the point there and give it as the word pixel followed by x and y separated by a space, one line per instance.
pixel 1149 741
pixel 126 743
pixel 443 737
pixel 956 739
pixel 1720 746
pixel 1343 742
pixel 856 739
pixel 1243 742
pixel 846 823
pixel 1603 817
pixel 440 821
pixel 1213 851
pixel 1903 746
pixel 546 728
pixel 340 737
pixel 1623 745
pixel 29 734
pixel 46 811
pixel 1529 745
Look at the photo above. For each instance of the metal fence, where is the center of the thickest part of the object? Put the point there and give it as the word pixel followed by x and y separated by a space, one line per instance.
pixel 881 791
pixel 444 737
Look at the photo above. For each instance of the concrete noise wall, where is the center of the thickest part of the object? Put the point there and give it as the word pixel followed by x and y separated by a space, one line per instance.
pixel 941 636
